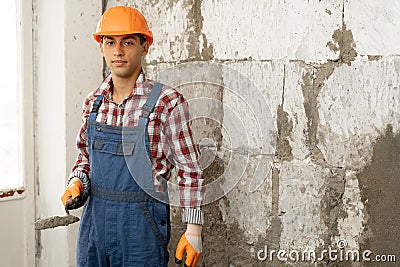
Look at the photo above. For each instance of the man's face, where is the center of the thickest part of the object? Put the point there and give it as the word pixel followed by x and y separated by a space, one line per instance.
pixel 123 54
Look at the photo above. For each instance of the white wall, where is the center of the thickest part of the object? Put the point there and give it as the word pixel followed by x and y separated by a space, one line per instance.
pixel 61 64
pixel 17 212
pixel 67 66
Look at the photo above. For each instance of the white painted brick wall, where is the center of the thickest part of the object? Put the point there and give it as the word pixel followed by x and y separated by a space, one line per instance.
pixel 278 45
pixel 375 26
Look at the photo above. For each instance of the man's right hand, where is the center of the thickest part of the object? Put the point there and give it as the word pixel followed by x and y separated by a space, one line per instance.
pixel 74 196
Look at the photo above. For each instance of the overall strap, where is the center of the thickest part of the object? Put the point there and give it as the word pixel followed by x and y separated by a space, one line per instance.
pixel 148 107
pixel 95 108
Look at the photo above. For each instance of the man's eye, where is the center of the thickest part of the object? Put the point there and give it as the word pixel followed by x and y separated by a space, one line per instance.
pixel 109 43
pixel 128 43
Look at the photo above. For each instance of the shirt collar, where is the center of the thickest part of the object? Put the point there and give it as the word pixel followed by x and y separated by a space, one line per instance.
pixel 141 86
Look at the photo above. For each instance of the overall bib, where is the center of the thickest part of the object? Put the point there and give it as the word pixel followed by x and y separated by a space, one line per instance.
pixel 121 224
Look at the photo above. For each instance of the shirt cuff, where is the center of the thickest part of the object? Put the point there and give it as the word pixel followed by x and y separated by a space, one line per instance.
pixel 194 216
pixel 82 176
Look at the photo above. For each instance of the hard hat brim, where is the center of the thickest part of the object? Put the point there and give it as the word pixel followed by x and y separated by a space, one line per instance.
pixel 97 36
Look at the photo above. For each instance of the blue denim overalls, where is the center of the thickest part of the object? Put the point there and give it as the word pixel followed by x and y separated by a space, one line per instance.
pixel 121 224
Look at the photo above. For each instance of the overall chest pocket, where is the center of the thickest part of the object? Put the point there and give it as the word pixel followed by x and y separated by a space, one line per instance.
pixel 114 147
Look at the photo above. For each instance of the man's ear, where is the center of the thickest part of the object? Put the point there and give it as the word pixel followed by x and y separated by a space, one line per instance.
pixel 145 48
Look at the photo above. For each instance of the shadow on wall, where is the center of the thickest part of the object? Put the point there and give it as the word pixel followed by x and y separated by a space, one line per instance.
pixel 379 185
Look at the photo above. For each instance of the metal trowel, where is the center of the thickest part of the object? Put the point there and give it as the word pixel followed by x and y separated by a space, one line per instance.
pixel 56 221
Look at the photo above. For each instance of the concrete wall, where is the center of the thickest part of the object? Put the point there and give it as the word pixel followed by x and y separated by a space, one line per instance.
pixel 315 84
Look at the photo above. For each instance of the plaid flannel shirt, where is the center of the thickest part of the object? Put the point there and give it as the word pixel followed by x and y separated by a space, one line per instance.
pixel 170 139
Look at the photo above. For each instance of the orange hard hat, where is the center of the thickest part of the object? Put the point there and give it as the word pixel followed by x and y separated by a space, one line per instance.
pixel 122 20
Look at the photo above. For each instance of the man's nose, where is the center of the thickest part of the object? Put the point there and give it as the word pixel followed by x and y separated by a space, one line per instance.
pixel 118 49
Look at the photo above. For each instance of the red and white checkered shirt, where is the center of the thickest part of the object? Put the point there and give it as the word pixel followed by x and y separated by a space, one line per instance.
pixel 170 139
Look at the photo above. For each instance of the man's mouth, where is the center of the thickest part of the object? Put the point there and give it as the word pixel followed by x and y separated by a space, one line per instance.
pixel 119 62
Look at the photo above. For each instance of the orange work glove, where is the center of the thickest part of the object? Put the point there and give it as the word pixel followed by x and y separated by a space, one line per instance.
pixel 190 242
pixel 73 196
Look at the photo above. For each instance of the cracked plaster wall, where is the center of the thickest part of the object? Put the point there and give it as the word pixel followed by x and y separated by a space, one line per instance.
pixel 329 74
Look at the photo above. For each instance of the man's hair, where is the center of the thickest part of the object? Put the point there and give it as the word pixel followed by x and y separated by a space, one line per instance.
pixel 142 37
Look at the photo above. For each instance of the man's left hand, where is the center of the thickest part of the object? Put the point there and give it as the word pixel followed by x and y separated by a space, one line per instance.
pixel 191 243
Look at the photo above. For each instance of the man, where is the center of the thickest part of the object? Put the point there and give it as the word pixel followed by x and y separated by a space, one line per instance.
pixel 134 132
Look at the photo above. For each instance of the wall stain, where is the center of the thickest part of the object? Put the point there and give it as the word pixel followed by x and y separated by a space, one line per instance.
pixel 343 42
pixel 38 247
pixel 215 229
pixel 171 3
pixel 328 12
pixel 194 29
pixel 313 82
pixel 273 235
pixel 379 185
pixel 334 186
pixel 104 4
pixel 331 206
pixel 374 57
pixel 215 235
pixel 240 252
pixel 285 127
